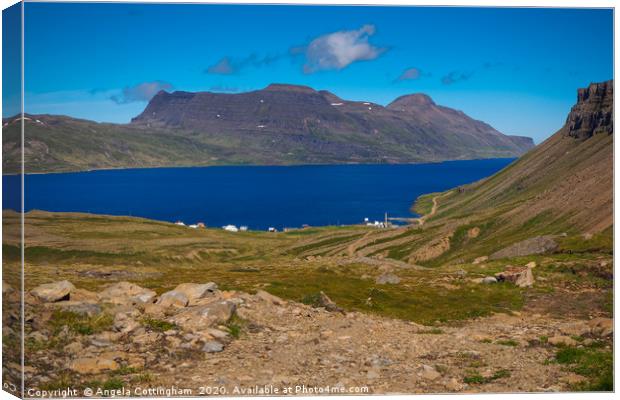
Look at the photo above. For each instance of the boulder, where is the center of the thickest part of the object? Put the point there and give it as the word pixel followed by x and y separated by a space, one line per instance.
pixel 327 303
pixel 580 328
pixel 473 232
pixel 212 346
pixel 429 373
pixel 173 298
pixel 201 317
pixel 269 298
pixel 218 334
pixel 79 307
pixel 480 260
pixel 562 341
pixel 85 296
pixel 535 245
pixel 93 365
pixel 601 327
pixel 51 292
pixel 6 288
pixel 522 277
pixel 123 323
pixel 154 310
pixel 127 293
pixel 489 279
pixel 196 291
pixel 387 278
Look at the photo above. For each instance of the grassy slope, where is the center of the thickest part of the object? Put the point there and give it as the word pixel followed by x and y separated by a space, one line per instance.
pixel 81 247
pixel 59 143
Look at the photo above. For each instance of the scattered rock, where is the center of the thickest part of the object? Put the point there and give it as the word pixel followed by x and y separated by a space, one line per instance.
pixel 126 292
pixel 93 365
pixel 196 291
pixel 73 348
pixel 562 341
pixel 6 288
pixel 199 318
pixel 387 278
pixel 575 329
pixel 212 346
pixel 522 277
pixel 146 338
pixel 480 260
pixel 173 298
pixel 124 323
pixel 327 303
pixel 51 292
pixel 489 279
pixel 372 373
pixel 268 297
pixel 429 373
pixel 154 310
pixel 573 379
pixel 535 245
pixel 78 307
pixel 531 264
pixel 84 296
pixel 454 385
pixel 37 336
pixel 460 273
pixel 601 327
pixel 218 334
pixel 473 232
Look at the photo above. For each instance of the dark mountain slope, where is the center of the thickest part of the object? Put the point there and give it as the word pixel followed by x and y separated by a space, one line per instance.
pixel 296 114
pixel 567 180
pixel 281 124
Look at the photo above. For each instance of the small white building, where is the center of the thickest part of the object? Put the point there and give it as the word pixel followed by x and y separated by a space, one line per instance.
pixel 243 228
pixel 230 228
pixel 272 229
pixel 193 226
pixel 180 223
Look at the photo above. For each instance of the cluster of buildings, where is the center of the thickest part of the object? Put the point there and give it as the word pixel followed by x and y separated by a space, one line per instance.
pixel 378 224
pixel 233 228
pixel 193 226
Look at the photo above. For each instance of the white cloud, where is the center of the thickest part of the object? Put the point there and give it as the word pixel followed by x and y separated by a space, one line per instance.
pixel 339 49
pixel 222 67
pixel 141 92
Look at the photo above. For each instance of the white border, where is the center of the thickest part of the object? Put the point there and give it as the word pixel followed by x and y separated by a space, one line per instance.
pixel 478 3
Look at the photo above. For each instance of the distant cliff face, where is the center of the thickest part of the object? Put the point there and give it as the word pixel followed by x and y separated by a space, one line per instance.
pixel 593 113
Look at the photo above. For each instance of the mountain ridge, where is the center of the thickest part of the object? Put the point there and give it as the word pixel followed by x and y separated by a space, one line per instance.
pixel 281 124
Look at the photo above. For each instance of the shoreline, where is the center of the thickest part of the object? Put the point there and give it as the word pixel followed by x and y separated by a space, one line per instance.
pixel 216 228
pixel 252 165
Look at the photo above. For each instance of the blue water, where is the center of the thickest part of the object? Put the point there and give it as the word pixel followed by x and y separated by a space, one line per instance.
pixel 256 196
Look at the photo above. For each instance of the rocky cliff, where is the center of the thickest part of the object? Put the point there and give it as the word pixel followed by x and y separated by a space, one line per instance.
pixel 593 113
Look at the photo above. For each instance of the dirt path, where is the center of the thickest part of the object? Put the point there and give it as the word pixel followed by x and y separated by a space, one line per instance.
pixel 423 218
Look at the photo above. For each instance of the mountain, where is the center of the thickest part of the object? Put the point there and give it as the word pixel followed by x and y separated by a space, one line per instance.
pixel 567 181
pixel 325 123
pixel 281 124
pixel 557 196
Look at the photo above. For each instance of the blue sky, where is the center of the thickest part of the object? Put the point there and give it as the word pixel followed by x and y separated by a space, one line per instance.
pixel 517 69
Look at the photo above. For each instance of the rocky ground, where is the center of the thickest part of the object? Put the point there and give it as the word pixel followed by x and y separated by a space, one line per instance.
pixel 210 341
